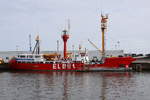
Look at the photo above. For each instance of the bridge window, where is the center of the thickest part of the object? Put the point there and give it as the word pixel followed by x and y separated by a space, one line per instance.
pixel 22 56
pixel 37 56
pixel 30 56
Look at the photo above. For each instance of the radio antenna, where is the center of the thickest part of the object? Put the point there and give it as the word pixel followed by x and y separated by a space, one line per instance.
pixel 68 26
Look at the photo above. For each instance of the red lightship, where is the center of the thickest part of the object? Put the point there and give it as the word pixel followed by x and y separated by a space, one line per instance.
pixel 80 62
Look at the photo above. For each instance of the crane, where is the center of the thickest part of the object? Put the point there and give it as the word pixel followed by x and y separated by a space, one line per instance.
pixel 100 52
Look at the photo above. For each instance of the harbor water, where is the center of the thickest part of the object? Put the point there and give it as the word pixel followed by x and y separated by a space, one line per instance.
pixel 45 85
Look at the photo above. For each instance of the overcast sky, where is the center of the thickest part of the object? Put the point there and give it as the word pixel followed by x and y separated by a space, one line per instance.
pixel 128 23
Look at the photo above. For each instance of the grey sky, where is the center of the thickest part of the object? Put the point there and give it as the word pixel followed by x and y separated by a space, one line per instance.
pixel 128 23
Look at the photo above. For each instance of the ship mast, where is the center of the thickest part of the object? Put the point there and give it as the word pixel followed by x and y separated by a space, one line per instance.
pixel 65 37
pixel 103 29
pixel 30 47
pixel 57 46
pixel 36 49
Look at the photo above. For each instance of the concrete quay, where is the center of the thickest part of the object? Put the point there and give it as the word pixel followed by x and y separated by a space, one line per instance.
pixel 141 64
pixel 4 66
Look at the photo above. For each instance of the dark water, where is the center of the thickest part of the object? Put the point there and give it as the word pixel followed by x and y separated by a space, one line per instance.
pixel 74 86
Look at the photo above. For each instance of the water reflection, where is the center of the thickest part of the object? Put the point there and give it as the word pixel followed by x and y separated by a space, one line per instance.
pixel 112 84
pixel 74 86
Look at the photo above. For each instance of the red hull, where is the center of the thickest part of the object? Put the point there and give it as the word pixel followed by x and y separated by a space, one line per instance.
pixel 43 66
pixel 114 62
